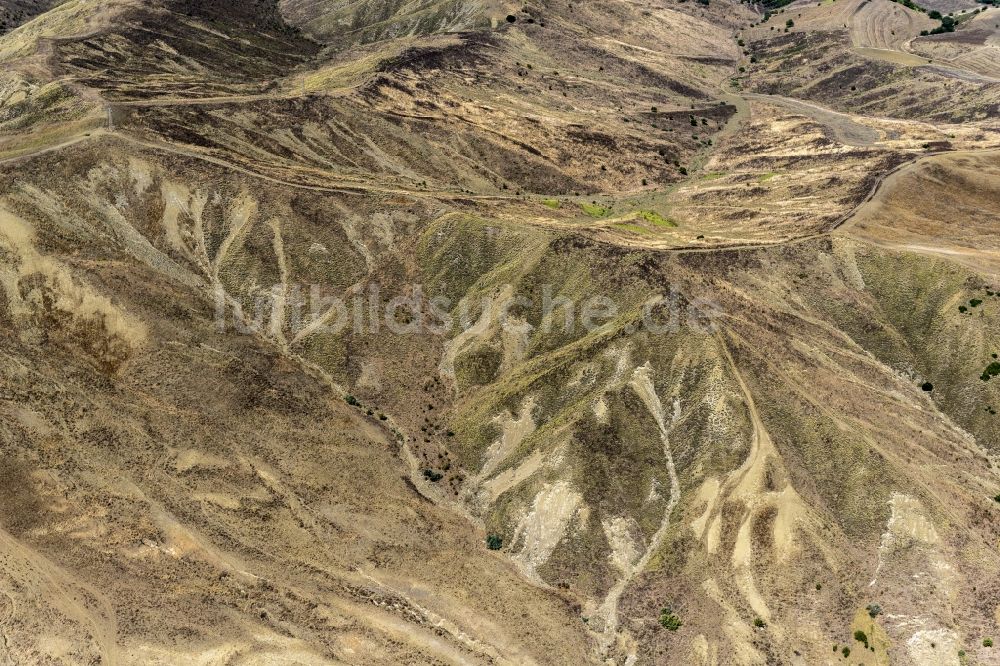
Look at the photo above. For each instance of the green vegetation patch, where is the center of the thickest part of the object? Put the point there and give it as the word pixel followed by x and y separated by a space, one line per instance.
pixel 554 204
pixel 595 210
pixel 656 219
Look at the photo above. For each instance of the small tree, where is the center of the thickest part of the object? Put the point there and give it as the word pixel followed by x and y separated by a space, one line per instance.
pixel 789 23
pixel 494 541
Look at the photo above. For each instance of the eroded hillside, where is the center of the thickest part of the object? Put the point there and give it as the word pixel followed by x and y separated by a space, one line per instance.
pixel 782 438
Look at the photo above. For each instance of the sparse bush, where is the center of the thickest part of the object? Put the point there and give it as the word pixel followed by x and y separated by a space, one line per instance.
pixel 669 620
pixel 352 401
pixel 494 541
pixel 874 610
pixel 992 370
pixel 861 637
pixel 846 652
pixel 759 623
pixel 789 23
pixel 987 642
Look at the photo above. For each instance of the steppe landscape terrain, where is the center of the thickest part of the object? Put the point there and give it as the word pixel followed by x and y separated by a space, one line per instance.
pixel 690 353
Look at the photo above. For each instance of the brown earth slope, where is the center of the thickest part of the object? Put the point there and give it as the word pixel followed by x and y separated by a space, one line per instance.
pixel 782 440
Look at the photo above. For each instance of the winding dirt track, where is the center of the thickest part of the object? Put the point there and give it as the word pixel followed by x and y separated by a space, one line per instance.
pixel 840 125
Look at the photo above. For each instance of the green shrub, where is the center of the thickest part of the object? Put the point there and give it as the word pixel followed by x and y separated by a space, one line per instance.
pixel 987 642
pixel 494 541
pixel 992 370
pixel 352 401
pixel 846 652
pixel 759 623
pixel 669 620
pixel 861 637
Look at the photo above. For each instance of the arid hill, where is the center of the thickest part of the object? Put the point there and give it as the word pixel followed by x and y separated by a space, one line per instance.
pixel 493 333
